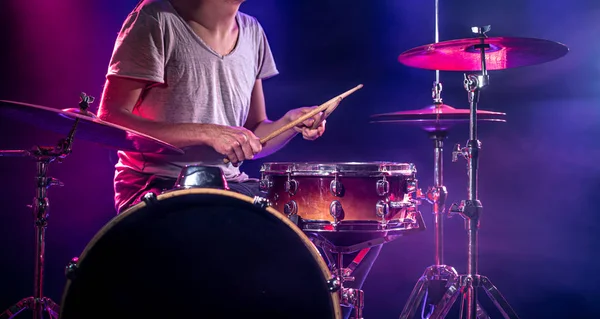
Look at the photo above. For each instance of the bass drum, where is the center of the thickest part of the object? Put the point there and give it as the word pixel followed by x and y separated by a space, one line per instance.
pixel 200 253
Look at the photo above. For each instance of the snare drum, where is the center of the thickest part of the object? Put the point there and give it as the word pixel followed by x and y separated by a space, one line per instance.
pixel 372 198
pixel 200 252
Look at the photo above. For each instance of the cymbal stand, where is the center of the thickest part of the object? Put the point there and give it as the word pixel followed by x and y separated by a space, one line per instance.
pixel 471 210
pixel 437 275
pixel 43 155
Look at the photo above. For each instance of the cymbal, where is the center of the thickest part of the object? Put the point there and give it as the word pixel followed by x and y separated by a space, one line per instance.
pixel 438 117
pixel 503 53
pixel 89 128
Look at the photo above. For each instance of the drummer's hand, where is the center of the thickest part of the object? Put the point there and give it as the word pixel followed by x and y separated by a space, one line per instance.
pixel 235 143
pixel 309 129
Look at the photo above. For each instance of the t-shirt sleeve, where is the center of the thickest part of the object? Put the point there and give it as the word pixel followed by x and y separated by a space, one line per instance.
pixel 139 50
pixel 266 63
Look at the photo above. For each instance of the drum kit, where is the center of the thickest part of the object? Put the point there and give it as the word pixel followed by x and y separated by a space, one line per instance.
pixel 199 247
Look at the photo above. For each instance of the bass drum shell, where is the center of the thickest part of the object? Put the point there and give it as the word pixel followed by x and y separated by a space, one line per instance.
pixel 200 253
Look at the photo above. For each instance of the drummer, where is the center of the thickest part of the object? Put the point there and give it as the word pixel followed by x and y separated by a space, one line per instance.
pixel 190 72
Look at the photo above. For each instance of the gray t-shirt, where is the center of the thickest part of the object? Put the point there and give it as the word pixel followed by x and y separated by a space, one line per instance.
pixel 192 83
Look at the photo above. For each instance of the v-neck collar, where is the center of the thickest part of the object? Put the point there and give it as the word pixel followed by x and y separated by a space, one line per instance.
pixel 199 39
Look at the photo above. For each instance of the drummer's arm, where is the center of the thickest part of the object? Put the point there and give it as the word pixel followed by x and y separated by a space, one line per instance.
pixel 261 126
pixel 119 98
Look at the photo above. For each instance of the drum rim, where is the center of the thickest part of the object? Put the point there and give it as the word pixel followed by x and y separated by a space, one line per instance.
pixel 377 168
pixel 335 300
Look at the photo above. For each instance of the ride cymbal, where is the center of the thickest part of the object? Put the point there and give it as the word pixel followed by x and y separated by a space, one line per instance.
pixel 502 53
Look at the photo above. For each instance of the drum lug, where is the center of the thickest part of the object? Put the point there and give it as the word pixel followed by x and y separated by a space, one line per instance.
pixel 383 187
pixel 382 209
pixel 336 187
pixel 261 202
pixel 336 210
pixel 71 270
pixel 290 208
pixel 291 186
pixel 265 183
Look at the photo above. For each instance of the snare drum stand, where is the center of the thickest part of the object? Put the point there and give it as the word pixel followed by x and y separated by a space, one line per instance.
pixel 349 297
pixel 334 257
pixel 43 156
pixel 432 282
pixel 471 210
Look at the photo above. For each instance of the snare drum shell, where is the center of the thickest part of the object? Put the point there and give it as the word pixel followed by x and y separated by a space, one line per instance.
pixel 200 252
pixel 311 196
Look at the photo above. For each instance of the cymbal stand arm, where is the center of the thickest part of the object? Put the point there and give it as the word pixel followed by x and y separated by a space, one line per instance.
pixel 65 145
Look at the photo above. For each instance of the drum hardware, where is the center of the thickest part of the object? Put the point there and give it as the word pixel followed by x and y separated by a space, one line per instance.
pixel 354 236
pixel 471 209
pixel 195 176
pixel 71 269
pixel 261 202
pixel 349 297
pixel 337 212
pixel 323 243
pixel 436 120
pixel 150 199
pixel 290 208
pixel 461 55
pixel 336 187
pixel 291 185
pixel 382 186
pixel 43 156
pixel 468 55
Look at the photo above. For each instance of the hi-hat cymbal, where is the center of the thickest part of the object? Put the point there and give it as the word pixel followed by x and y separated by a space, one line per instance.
pixel 503 53
pixel 437 117
pixel 89 128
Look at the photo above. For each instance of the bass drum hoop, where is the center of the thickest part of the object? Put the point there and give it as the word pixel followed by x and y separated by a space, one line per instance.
pixel 213 191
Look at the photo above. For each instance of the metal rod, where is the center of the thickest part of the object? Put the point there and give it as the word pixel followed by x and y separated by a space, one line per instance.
pixel 473 221
pixel 438 190
pixel 437 34
pixel 41 214
pixel 438 203
pixel 474 86
pixel 14 153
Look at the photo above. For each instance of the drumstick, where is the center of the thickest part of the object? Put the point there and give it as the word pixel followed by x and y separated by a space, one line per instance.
pixel 327 107
pixel 325 115
pixel 310 114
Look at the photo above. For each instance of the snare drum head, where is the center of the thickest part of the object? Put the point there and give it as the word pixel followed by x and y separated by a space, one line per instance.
pixel 200 253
